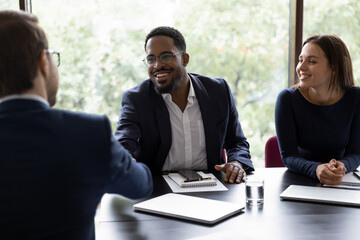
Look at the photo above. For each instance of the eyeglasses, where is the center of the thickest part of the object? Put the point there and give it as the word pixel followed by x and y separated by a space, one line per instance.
pixel 55 55
pixel 164 58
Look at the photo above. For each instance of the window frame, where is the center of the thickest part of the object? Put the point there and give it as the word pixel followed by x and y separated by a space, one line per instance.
pixel 296 11
pixel 295 38
pixel 25 5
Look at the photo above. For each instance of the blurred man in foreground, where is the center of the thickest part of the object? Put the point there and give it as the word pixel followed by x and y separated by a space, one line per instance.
pixel 55 165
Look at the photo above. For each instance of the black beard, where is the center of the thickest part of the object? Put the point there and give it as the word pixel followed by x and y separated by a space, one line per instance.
pixel 172 85
pixel 166 89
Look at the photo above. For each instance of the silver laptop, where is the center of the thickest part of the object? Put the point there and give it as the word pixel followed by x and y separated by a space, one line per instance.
pixel 322 194
pixel 189 208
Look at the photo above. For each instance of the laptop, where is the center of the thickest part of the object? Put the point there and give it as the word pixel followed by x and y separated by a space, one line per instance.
pixel 322 195
pixel 189 208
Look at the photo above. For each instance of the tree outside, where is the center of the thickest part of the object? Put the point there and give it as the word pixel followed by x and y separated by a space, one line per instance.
pixel 6 4
pixel 102 45
pixel 246 42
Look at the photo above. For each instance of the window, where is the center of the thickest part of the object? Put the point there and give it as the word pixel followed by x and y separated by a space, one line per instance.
pixel 336 17
pixel 101 44
pixel 6 4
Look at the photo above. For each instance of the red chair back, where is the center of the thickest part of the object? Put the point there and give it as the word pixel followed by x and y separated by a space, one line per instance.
pixel 224 155
pixel 272 153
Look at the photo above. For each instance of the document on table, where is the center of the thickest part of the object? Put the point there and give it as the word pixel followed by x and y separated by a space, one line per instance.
pixel 177 189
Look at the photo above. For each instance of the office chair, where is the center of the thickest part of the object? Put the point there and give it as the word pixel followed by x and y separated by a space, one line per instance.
pixel 272 153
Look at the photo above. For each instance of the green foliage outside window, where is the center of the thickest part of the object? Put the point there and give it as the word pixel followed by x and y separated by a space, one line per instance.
pixel 246 42
pixel 8 4
pixel 101 43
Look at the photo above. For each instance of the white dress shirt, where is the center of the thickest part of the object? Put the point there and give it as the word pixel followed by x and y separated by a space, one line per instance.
pixel 188 148
pixel 23 96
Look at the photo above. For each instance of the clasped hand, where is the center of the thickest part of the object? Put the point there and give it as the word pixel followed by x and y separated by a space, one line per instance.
pixel 331 172
pixel 234 171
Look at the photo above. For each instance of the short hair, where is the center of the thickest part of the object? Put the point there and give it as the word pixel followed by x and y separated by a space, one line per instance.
pixel 179 40
pixel 338 58
pixel 21 43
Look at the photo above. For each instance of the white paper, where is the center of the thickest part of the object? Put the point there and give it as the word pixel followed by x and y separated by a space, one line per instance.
pixel 177 189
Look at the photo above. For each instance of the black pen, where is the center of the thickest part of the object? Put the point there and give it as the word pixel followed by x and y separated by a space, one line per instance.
pixel 199 179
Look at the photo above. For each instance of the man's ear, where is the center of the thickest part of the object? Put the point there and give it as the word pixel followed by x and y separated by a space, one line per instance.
pixel 185 58
pixel 43 64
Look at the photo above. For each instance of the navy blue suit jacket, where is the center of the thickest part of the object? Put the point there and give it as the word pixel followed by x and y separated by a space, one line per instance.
pixel 54 168
pixel 144 124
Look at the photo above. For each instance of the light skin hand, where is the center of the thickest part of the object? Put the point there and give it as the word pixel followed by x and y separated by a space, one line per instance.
pixel 331 172
pixel 234 171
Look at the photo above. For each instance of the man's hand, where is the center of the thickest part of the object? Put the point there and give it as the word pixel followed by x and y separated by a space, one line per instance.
pixel 234 171
pixel 331 172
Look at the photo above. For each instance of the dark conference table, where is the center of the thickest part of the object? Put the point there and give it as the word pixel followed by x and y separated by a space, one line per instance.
pixel 275 219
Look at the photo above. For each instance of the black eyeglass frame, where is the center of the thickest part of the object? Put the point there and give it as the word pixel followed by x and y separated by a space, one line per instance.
pixel 164 58
pixel 55 55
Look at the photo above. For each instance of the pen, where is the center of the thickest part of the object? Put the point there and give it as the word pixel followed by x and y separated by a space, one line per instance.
pixel 200 179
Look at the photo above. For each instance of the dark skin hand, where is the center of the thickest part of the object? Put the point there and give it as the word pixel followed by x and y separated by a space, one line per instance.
pixel 234 171
pixel 331 172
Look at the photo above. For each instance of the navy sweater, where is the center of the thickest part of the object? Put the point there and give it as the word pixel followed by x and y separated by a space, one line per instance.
pixel 310 134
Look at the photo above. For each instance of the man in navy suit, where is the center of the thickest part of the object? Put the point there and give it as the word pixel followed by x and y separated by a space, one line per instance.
pixel 175 120
pixel 55 165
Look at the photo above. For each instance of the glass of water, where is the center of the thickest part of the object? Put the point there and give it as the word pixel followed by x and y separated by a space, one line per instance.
pixel 254 190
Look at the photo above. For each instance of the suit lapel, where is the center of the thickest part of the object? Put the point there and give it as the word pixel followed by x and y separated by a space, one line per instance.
pixel 163 124
pixel 209 119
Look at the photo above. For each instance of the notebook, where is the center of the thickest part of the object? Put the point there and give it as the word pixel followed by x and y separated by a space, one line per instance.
pixel 175 188
pixel 350 180
pixel 322 194
pixel 179 180
pixel 189 208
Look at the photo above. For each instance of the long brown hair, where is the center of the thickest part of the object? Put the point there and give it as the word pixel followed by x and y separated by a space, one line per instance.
pixel 339 60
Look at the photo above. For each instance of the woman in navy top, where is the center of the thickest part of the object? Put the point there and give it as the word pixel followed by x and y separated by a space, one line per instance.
pixel 318 120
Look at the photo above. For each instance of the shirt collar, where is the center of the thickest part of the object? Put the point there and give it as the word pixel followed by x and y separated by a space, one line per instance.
pixel 191 95
pixel 24 96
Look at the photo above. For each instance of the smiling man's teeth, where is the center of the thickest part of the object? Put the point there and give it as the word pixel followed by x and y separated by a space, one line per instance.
pixel 161 74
